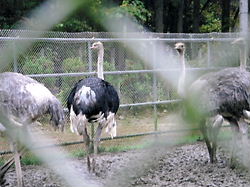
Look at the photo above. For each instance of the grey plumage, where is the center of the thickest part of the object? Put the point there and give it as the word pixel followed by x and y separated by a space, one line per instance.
pixel 214 97
pixel 26 100
pixel 224 93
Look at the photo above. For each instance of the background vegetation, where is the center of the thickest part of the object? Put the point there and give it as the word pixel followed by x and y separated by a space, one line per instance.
pixel 175 16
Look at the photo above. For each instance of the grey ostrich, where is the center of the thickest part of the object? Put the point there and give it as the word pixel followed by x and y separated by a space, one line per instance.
pixel 216 96
pixel 93 100
pixel 24 100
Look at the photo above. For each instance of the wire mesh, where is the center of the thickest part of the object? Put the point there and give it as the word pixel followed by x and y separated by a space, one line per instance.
pixel 59 60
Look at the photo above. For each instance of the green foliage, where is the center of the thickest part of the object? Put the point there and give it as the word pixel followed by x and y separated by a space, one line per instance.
pixel 74 65
pixel 86 18
pixel 135 87
pixel 37 65
pixel 134 8
pixel 212 22
pixel 137 9
pixel 73 24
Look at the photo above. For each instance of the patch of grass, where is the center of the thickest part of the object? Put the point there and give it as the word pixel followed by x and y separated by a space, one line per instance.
pixel 30 159
pixel 1 161
pixel 121 148
pixel 78 153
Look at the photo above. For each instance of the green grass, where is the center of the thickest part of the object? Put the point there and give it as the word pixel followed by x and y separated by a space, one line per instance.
pixel 1 161
pixel 30 159
pixel 78 153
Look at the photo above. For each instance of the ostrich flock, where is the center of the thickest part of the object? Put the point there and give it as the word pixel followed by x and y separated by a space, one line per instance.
pixel 219 96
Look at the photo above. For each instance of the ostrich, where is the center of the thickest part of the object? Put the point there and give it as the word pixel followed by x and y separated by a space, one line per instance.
pixel 217 96
pixel 25 100
pixel 93 100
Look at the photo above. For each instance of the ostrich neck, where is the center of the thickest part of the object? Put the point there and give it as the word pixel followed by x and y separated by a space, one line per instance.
pixel 243 58
pixel 183 65
pixel 100 64
pixel 182 79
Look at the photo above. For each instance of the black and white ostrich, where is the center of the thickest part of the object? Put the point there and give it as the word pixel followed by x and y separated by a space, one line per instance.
pixel 93 100
pixel 217 96
pixel 24 100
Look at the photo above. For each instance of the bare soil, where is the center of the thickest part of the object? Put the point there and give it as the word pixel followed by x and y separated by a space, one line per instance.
pixel 185 165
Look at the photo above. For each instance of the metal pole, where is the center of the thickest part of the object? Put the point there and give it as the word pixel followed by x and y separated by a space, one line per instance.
pixel 244 30
pixel 14 58
pixel 155 89
pixel 90 57
pixel 208 54
pixel 244 17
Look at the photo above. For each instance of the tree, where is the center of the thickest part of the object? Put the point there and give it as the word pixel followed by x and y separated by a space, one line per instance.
pixel 159 26
pixel 196 16
pixel 180 16
pixel 225 15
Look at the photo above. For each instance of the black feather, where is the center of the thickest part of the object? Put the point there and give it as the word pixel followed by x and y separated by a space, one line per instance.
pixel 107 99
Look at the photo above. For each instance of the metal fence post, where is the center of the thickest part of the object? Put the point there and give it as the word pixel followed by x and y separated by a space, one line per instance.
pixel 15 66
pixel 208 54
pixel 90 57
pixel 155 88
pixel 91 69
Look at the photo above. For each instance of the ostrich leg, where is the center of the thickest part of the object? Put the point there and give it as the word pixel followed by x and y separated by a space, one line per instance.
pixel 97 137
pixel 244 145
pixel 87 147
pixel 235 138
pixel 204 131
pixel 215 128
pixel 96 144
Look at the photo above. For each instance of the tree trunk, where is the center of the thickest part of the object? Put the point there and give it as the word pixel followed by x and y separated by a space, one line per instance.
pixel 196 16
pixel 158 15
pixel 225 17
pixel 180 16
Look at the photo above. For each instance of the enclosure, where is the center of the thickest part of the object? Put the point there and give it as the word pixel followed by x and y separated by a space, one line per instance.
pixel 59 60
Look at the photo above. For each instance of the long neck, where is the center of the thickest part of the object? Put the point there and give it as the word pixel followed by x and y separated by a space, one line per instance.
pixel 100 64
pixel 182 79
pixel 243 58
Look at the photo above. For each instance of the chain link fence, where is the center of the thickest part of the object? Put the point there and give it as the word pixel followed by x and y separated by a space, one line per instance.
pixel 59 60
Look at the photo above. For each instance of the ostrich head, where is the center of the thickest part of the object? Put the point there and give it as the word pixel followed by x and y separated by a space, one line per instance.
pixel 97 45
pixel 180 47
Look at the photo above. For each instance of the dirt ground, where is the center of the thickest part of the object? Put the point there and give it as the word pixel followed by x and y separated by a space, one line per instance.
pixel 185 165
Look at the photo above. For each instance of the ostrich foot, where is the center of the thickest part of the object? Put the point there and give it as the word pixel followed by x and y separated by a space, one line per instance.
pixel 88 164
pixel 93 165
